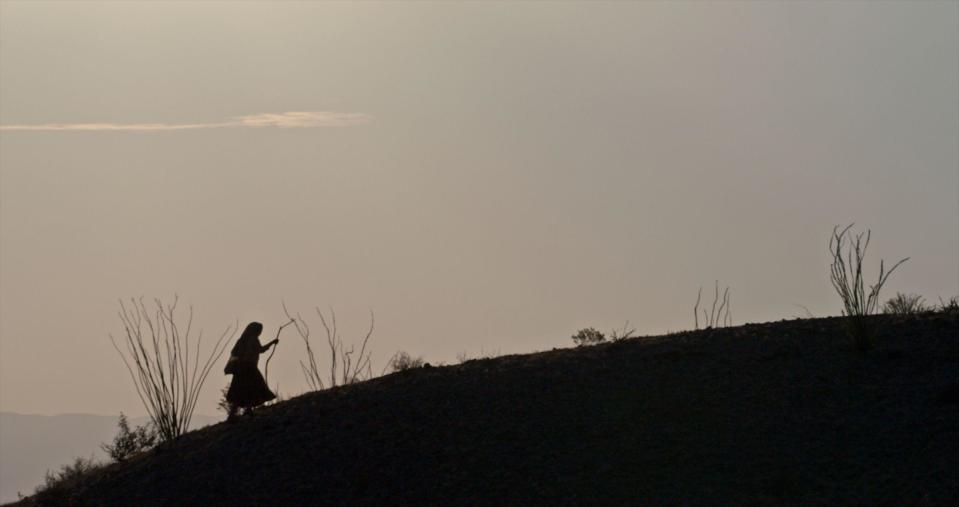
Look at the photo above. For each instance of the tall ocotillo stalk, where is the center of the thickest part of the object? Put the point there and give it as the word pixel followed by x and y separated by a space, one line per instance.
pixel 849 263
pixel 168 371
pixel 717 317
pixel 346 365
pixel 845 273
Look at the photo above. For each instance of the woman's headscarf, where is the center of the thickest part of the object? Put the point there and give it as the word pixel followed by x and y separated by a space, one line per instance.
pixel 252 331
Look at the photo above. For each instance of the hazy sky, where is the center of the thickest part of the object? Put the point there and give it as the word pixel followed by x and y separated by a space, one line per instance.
pixel 485 177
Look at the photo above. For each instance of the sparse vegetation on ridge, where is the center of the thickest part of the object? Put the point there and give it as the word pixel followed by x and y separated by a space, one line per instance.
pixel 59 488
pixel 224 404
pixel 622 334
pixel 588 336
pixel 347 365
pixel 950 305
pixel 667 420
pixel 350 366
pixel 720 316
pixel 165 364
pixel 848 253
pixel 129 442
pixel 905 304
pixel 402 361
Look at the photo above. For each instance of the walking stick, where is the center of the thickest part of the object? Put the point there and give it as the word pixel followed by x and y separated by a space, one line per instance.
pixel 266 369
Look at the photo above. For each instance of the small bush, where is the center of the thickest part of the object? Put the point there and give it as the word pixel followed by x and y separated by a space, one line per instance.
pixel 950 305
pixel 58 487
pixel 905 304
pixel 622 334
pixel 129 442
pixel 224 405
pixel 588 336
pixel 401 361
pixel 848 252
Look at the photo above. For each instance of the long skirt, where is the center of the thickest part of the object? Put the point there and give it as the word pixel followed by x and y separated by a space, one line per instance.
pixel 248 389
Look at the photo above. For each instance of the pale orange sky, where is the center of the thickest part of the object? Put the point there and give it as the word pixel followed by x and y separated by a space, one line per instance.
pixel 485 177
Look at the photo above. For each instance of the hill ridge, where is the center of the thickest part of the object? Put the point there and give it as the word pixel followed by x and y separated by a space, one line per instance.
pixel 775 413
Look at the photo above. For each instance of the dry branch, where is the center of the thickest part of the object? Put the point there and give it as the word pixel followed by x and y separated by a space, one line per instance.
pixel 856 302
pixel 720 316
pixel 166 372
pixel 347 365
pixel 845 273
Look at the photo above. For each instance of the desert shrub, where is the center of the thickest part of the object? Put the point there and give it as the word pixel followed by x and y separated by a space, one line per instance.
pixel 225 404
pixel 58 487
pixel 401 361
pixel 806 313
pixel 848 252
pixel 347 365
pixel 622 334
pixel 588 336
pixel 905 304
pixel 165 363
pixel 950 305
pixel 128 442
pixel 719 315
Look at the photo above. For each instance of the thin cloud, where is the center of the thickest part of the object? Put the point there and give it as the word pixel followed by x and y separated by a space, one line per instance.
pixel 291 119
pixel 302 119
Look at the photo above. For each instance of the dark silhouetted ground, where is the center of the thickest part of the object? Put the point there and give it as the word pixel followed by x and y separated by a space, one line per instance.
pixel 782 413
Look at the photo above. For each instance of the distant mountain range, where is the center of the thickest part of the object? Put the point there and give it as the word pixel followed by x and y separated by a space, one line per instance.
pixel 32 444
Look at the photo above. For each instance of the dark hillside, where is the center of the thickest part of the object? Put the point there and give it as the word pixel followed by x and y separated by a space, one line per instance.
pixel 782 413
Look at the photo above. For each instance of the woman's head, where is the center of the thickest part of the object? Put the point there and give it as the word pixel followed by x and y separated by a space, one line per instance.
pixel 252 329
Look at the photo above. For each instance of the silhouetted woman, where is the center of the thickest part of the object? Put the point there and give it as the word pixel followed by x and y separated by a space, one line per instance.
pixel 248 389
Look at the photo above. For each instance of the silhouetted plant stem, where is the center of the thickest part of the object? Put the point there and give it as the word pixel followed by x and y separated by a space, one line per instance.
pixel 158 357
pixel 346 366
pixel 721 316
pixel 846 276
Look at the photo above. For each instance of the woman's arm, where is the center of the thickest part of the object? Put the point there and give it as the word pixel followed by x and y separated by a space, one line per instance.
pixel 266 347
